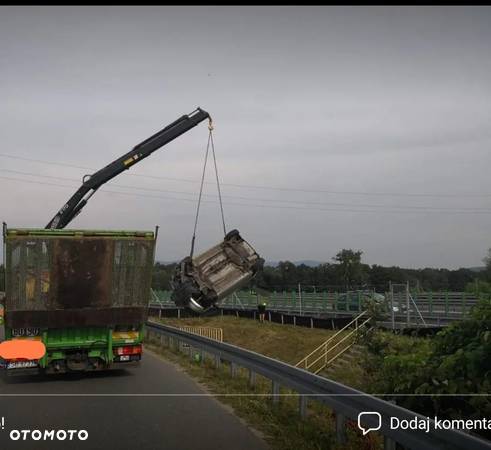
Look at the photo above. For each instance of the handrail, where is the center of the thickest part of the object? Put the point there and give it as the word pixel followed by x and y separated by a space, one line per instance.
pixel 337 355
pixel 324 355
pixel 209 332
pixel 324 344
pixel 345 401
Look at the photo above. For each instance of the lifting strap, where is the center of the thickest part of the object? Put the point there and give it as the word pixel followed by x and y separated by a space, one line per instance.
pixel 212 144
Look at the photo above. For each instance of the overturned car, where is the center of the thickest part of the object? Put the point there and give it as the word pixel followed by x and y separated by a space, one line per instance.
pixel 200 282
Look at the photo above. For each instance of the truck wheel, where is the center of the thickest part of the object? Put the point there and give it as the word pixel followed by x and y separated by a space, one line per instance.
pixel 231 234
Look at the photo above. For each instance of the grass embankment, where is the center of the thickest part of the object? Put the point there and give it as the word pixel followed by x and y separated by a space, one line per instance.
pixel 287 343
pixel 284 342
pixel 281 425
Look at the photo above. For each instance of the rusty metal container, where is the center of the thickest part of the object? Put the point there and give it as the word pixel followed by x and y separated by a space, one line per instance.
pixel 73 278
pixel 200 282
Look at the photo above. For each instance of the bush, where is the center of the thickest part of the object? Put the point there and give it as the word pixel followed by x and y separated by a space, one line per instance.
pixel 456 361
pixel 478 287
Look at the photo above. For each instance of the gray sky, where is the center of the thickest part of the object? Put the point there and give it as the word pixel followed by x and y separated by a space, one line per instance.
pixel 340 106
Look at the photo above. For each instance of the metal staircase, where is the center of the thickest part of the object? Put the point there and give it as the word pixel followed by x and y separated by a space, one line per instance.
pixel 336 345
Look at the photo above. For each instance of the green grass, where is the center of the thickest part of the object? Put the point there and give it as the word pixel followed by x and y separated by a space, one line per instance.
pixel 284 342
pixel 287 343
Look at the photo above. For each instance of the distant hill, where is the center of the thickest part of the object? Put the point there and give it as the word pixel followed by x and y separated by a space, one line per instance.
pixel 313 263
pixel 307 262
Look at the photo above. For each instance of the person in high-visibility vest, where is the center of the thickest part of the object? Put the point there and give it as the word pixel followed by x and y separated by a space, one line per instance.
pixel 261 308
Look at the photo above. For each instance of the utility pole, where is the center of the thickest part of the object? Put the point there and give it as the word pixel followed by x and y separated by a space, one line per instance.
pixel 391 293
pixel 300 297
pixel 408 312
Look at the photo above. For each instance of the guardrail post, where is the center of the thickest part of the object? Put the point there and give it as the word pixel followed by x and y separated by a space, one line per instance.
pixel 252 378
pixel 341 428
pixel 275 388
pixel 282 320
pixel 302 406
pixel 178 313
pixel 389 444
pixel 160 313
pixel 217 361
pixel 311 323
pixel 233 369
pixel 294 320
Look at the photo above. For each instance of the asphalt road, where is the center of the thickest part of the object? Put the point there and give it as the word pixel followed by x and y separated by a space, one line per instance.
pixel 113 422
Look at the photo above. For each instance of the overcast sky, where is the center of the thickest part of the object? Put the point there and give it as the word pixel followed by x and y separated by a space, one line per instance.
pixel 363 128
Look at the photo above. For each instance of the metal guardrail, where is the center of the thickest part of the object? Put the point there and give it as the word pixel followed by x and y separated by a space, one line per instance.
pixel 346 402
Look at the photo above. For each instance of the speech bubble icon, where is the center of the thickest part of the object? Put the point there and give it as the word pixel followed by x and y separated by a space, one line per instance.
pixel 373 416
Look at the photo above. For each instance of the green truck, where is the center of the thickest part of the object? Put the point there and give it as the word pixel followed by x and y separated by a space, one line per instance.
pixel 83 293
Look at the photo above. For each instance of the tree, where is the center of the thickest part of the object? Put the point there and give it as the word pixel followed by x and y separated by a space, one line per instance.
pixel 162 274
pixel 288 273
pixel 458 279
pixel 351 270
pixel 487 261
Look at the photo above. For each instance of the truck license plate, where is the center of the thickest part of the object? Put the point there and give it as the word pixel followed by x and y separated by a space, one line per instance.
pixel 21 364
pixel 124 358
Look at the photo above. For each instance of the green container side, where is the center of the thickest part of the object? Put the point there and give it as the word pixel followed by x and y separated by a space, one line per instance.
pixel 117 234
pixel 83 337
pixel 97 341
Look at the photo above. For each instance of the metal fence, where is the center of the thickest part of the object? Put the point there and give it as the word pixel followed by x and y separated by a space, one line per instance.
pixel 347 403
pixel 431 305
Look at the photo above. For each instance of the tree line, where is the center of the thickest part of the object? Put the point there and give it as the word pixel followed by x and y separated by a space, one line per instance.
pixel 347 271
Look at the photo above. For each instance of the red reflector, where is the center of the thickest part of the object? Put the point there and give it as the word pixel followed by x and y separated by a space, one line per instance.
pixel 128 350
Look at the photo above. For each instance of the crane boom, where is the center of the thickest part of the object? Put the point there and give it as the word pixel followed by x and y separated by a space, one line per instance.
pixel 92 182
